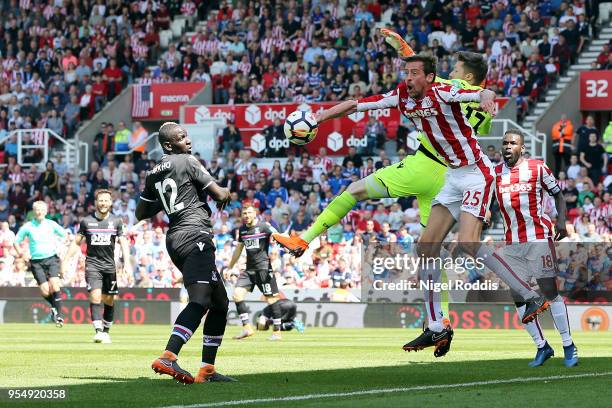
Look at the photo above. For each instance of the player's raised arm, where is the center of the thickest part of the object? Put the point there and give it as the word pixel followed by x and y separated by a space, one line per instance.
pixel 450 94
pixel 388 100
pixel 345 108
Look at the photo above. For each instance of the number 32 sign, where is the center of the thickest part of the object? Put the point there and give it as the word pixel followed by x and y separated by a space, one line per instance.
pixel 596 90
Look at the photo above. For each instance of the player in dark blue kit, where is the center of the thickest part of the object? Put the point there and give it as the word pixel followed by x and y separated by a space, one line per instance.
pixel 179 185
pixel 100 231
pixel 288 320
pixel 255 237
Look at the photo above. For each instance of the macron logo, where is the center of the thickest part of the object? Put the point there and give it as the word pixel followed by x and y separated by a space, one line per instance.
pixel 201 245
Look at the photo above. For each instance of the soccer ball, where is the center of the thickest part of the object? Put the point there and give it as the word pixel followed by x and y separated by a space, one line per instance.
pixel 301 127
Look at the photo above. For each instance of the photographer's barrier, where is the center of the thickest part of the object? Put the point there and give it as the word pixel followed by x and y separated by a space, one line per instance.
pixel 485 316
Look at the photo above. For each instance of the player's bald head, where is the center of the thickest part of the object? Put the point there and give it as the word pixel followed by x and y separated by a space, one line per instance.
pixel 167 132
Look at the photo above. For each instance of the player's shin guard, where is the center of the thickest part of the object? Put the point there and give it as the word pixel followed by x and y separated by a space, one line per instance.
pixel 214 328
pixel 533 328
pixel 95 309
pixel 243 312
pixel 276 316
pixel 109 313
pixel 495 263
pixel 558 310
pixel 184 326
pixel 431 275
pixel 333 213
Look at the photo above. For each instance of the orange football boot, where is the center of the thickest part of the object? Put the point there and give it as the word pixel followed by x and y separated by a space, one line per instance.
pixel 166 364
pixel 209 374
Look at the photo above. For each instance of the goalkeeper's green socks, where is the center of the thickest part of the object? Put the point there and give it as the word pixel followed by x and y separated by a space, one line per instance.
pixel 335 211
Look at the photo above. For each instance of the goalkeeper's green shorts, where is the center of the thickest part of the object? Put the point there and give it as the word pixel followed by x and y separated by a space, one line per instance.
pixel 421 175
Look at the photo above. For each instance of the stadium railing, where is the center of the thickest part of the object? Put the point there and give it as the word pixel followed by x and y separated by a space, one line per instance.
pixel 69 149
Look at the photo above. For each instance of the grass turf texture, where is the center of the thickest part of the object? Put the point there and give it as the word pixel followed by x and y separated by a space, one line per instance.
pixel 319 361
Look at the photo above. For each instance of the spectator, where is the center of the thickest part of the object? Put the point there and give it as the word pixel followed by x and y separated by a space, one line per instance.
pixel 574 168
pixel 49 180
pixel 594 158
pixel 138 140
pixel 55 123
pixel 231 138
pixel 122 137
pixel 562 136
pixel 584 131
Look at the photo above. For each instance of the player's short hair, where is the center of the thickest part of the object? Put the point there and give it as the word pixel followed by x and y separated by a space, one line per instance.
pixel 429 62
pixel 475 64
pixel 166 132
pixel 101 191
pixel 247 206
pixel 518 132
pixel 40 204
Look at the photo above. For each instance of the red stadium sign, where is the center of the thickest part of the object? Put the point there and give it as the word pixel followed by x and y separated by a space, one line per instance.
pixel 337 135
pixel 595 91
pixel 167 99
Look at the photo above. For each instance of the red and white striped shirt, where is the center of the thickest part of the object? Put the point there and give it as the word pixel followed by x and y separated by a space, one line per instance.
pixel 504 60
pixel 188 8
pixel 283 81
pixel 199 45
pixel 48 11
pixel 35 85
pixel 520 194
pixel 299 45
pixel 267 44
pixel 8 64
pixel 140 51
pixel 327 163
pixel 603 211
pixel 366 171
pixel 438 115
pixel 244 67
pixel 277 32
pixel 38 136
pixel 256 92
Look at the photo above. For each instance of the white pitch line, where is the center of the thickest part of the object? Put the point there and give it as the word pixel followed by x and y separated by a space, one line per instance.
pixel 390 390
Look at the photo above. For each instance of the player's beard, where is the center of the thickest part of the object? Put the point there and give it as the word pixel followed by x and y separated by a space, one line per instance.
pixel 512 160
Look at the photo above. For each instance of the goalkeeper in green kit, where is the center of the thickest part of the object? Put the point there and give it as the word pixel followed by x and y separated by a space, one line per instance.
pixel 421 174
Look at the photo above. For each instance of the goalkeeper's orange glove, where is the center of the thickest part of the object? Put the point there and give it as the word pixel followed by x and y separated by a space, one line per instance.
pixel 397 42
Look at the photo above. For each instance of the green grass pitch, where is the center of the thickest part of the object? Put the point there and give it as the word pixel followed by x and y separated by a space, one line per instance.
pixel 320 361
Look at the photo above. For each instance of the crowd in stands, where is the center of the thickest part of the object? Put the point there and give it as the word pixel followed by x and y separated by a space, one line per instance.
pixel 61 64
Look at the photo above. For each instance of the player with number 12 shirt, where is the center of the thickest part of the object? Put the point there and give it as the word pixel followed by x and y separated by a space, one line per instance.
pixel 180 185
